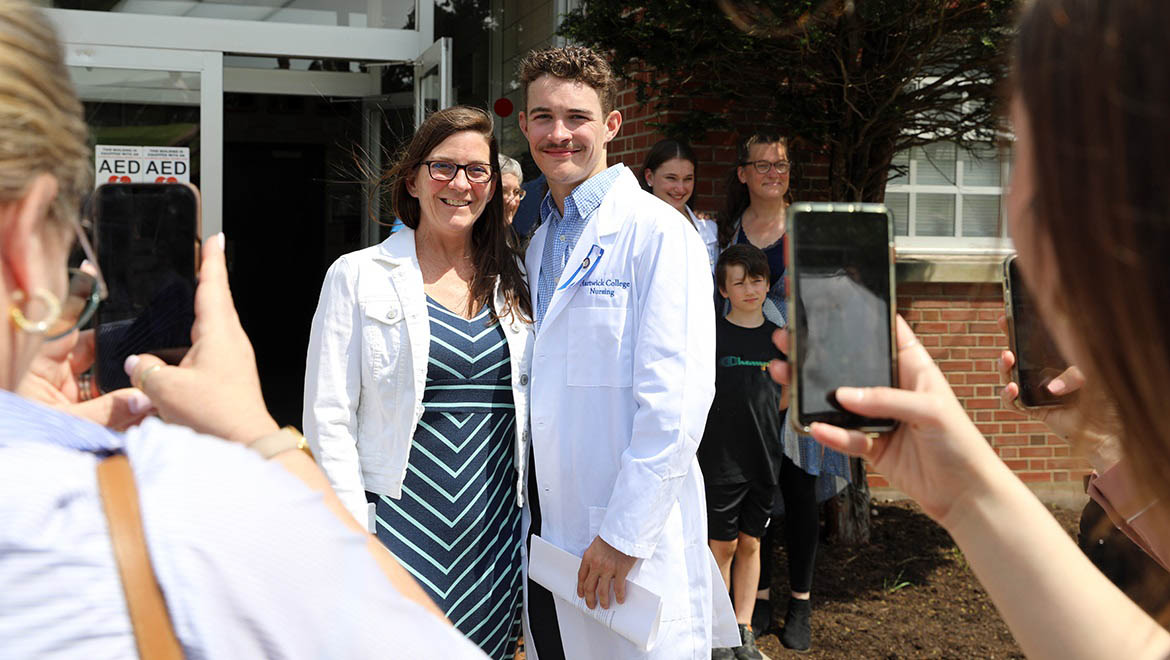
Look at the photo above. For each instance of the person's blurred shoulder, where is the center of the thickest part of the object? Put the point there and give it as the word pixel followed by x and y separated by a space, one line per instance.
pixel 250 557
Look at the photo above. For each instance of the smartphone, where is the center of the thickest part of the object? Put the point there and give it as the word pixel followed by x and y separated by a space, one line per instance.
pixel 146 236
pixel 1038 359
pixel 840 310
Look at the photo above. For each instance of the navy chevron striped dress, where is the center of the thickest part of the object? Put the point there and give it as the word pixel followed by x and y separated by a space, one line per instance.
pixel 456 527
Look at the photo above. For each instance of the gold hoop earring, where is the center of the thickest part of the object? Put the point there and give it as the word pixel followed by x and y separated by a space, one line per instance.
pixel 36 327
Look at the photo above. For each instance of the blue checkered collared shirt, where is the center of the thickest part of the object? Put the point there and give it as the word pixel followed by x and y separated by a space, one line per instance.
pixel 565 231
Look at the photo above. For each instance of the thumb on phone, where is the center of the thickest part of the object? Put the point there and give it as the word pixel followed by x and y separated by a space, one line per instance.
pixel 153 377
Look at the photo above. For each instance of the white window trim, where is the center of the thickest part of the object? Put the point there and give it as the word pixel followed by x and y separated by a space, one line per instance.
pixel 957 244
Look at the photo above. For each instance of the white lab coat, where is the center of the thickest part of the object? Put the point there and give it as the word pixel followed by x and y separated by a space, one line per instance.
pixel 367 367
pixel 623 374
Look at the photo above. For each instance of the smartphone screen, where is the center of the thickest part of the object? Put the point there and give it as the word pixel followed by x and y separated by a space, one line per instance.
pixel 842 316
pixel 1038 359
pixel 146 239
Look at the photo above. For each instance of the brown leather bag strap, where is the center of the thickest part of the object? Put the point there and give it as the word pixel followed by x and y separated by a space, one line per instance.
pixel 153 632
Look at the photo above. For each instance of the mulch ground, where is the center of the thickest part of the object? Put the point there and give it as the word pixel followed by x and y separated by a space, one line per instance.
pixel 908 594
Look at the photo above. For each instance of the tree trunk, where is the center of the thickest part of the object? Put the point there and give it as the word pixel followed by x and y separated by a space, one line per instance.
pixel 847 515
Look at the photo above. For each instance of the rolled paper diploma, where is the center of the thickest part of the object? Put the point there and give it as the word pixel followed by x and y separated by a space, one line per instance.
pixel 637 619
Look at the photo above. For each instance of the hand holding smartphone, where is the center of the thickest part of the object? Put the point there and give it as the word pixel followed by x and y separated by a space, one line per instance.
pixel 840 310
pixel 146 236
pixel 1038 359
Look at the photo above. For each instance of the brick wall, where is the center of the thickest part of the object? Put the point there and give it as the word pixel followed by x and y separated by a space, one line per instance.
pixel 715 152
pixel 957 325
pixel 956 322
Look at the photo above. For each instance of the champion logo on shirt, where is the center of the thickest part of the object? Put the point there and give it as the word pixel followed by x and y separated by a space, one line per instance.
pixel 732 361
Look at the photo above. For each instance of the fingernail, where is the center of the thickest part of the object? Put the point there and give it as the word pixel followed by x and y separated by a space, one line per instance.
pixel 85 264
pixel 1056 386
pixel 851 394
pixel 222 238
pixel 139 403
pixel 129 365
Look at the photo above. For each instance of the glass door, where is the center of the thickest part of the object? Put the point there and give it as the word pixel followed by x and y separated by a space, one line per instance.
pixel 388 124
pixel 432 80
pixel 155 114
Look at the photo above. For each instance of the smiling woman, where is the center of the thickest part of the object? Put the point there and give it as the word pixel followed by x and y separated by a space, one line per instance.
pixel 669 174
pixel 416 388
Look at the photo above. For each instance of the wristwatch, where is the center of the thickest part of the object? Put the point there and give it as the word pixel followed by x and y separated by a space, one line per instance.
pixel 286 439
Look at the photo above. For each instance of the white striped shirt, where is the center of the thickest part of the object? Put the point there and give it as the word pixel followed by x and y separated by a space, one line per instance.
pixel 251 562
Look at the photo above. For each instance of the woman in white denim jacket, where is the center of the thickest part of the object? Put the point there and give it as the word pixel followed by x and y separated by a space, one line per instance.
pixel 416 387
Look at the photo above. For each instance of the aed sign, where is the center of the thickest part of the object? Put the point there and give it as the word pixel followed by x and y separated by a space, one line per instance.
pixel 125 164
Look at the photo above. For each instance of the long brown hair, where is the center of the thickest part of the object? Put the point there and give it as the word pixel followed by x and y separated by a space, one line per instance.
pixel 495 250
pixel 737 198
pixel 1093 80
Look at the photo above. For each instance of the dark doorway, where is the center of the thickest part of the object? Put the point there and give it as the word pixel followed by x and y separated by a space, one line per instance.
pixel 292 204
pixel 274 219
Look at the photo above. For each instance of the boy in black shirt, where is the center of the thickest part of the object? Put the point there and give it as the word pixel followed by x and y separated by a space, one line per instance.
pixel 740 452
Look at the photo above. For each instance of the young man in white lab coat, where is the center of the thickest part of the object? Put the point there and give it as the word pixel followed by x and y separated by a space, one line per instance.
pixel 622 378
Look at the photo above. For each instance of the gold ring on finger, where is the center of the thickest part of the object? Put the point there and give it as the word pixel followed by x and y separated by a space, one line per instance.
pixel 85 387
pixel 147 374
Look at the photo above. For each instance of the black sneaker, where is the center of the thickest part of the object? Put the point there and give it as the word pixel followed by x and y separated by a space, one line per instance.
pixel 797 633
pixel 747 650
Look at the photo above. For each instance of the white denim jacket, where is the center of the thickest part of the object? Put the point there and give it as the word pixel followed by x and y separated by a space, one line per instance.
pixel 367 368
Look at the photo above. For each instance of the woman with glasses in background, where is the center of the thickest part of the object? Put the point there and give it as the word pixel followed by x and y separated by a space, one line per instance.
pixel 512 180
pixel 417 379
pixel 669 174
pixel 755 212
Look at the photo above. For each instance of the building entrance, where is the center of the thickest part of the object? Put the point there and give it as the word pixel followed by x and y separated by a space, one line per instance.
pixel 294 200
pixel 275 217
pixel 275 118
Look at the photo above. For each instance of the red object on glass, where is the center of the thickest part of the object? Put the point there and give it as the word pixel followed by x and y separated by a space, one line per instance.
pixel 503 107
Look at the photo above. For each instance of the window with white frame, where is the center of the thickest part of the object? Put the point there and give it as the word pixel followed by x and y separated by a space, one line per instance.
pixel 949 196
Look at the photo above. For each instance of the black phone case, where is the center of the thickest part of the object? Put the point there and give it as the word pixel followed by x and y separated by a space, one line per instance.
pixel 164 303
pixel 801 424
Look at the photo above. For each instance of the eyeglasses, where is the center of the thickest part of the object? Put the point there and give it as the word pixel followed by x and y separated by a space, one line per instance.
pixel 518 193
pixel 442 170
pixel 86 291
pixel 762 166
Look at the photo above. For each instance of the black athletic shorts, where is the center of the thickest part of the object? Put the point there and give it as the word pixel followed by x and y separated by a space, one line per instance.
pixel 735 508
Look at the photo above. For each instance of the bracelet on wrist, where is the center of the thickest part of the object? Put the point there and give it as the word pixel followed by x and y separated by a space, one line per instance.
pixel 278 442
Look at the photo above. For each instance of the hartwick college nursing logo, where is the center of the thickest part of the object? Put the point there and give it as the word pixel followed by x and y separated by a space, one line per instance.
pixel 606 287
pixel 732 361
